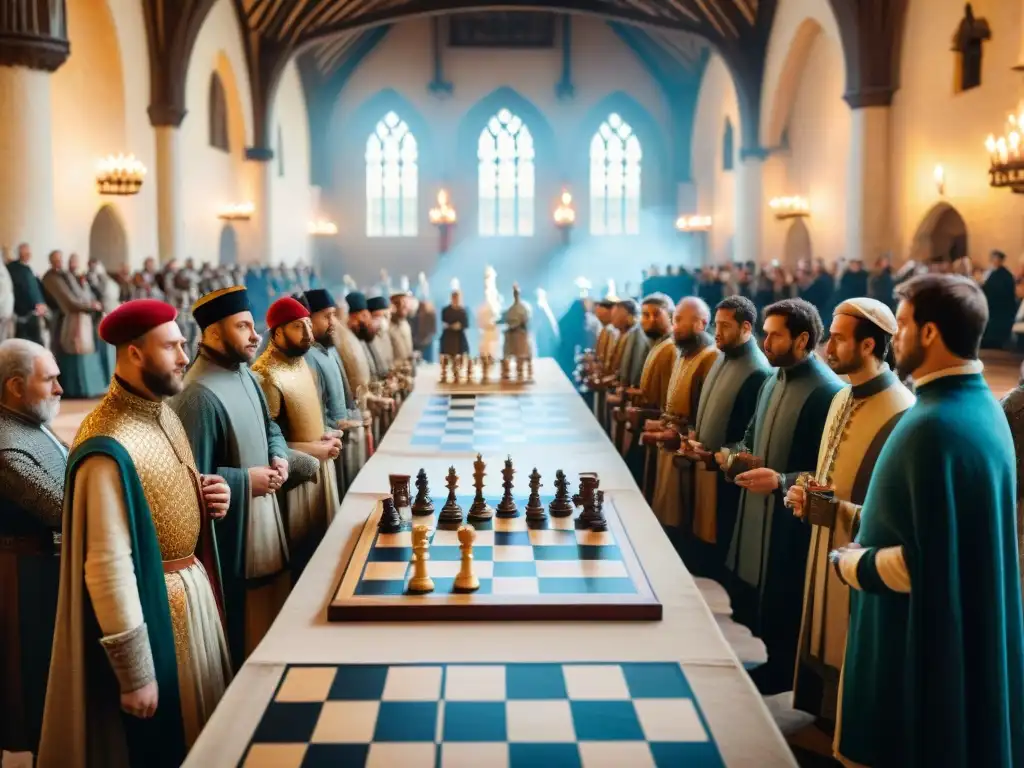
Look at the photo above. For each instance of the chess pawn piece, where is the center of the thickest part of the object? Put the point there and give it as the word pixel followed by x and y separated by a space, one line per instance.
pixel 390 521
pixel 507 506
pixel 561 505
pixel 451 512
pixel 535 512
pixel 479 509
pixel 422 505
pixel 420 583
pixel 598 522
pixel 466 580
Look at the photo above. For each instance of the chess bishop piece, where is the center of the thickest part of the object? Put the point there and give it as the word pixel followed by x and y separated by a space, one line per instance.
pixel 422 505
pixel 390 521
pixel 535 512
pixel 466 580
pixel 451 512
pixel 479 509
pixel 507 506
pixel 561 505
pixel 420 583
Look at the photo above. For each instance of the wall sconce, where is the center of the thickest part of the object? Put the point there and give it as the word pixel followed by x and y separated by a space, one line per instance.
pixel 565 215
pixel 443 217
pixel 940 179
pixel 323 228
pixel 120 175
pixel 237 212
pixel 693 223
pixel 794 207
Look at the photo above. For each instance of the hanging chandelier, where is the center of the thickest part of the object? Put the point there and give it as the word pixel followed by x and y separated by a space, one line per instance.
pixel 120 175
pixel 1006 165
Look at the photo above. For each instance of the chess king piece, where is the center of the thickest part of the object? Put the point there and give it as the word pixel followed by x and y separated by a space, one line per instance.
pixel 479 510
pixel 561 505
pixel 422 505
pixel 507 505
pixel 598 522
pixel 420 583
pixel 535 511
pixel 466 580
pixel 451 512
pixel 390 521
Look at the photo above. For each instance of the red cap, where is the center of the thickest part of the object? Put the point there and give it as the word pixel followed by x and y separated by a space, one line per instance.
pixel 134 319
pixel 283 311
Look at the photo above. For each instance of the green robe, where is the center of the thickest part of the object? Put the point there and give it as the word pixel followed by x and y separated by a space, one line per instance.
pixel 936 677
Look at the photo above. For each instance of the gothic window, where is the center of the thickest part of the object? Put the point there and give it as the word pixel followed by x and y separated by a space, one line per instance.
pixel 505 154
pixel 728 149
pixel 218 108
pixel 615 157
pixel 280 152
pixel 392 179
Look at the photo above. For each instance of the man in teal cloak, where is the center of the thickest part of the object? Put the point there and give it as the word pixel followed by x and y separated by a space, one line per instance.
pixel 934 671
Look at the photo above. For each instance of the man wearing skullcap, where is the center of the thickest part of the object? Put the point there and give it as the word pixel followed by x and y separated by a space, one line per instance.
pixel 293 398
pixel 859 422
pixel 136 568
pixel 228 424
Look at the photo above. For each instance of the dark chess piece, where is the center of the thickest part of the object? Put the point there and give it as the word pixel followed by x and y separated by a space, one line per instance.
pixel 422 505
pixel 479 510
pixel 598 522
pixel 390 521
pixel 535 511
pixel 451 512
pixel 399 489
pixel 586 498
pixel 507 505
pixel 561 505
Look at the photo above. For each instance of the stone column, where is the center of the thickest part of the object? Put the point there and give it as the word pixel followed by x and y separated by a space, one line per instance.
pixel 748 233
pixel 170 224
pixel 869 227
pixel 33 44
pixel 261 243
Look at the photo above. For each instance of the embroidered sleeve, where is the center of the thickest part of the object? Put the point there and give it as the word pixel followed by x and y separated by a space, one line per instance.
pixel 131 658
pixel 31 487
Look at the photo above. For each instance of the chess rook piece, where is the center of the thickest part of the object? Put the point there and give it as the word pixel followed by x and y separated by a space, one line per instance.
pixel 479 510
pixel 598 522
pixel 586 498
pixel 399 489
pixel 451 512
pixel 466 580
pixel 507 505
pixel 390 521
pixel 535 511
pixel 561 505
pixel 422 505
pixel 420 583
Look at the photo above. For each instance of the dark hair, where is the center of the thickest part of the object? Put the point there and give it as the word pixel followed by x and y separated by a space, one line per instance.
pixel 742 308
pixel 631 307
pixel 660 300
pixel 999 255
pixel 865 329
pixel 956 306
pixel 801 317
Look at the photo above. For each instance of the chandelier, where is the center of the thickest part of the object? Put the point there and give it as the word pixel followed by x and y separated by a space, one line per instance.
pixel 794 207
pixel 693 223
pixel 323 228
pixel 565 214
pixel 237 212
pixel 1006 165
pixel 442 214
pixel 120 175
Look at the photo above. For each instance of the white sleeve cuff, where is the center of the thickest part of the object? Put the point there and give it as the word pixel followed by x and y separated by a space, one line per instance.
pixel 848 566
pixel 892 569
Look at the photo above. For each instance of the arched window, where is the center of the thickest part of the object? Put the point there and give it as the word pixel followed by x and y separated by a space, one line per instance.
pixel 218 115
pixel 728 148
pixel 392 179
pixel 505 152
pixel 615 179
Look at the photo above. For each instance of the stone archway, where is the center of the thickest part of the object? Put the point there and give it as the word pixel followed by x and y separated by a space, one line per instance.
pixel 942 234
pixel 227 251
pixel 797 245
pixel 108 240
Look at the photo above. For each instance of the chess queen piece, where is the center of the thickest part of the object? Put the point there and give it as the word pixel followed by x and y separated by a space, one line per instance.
pixel 390 521
pixel 422 505
pixel 420 583
pixel 507 505
pixel 561 505
pixel 479 509
pixel 535 512
pixel 451 512
pixel 466 580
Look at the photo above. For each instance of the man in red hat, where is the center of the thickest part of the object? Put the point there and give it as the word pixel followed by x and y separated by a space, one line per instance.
pixel 293 398
pixel 140 658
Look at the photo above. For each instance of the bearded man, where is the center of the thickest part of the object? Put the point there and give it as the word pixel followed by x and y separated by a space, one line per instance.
pixel 934 667
pixel 293 399
pixel 860 420
pixel 231 433
pixel 33 461
pixel 352 342
pixel 139 654
pixel 401 332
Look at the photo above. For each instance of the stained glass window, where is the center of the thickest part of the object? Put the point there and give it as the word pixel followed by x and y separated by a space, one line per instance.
pixel 505 153
pixel 392 179
pixel 615 157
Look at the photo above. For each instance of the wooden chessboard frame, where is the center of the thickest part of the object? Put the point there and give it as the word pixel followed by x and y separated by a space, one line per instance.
pixel 346 605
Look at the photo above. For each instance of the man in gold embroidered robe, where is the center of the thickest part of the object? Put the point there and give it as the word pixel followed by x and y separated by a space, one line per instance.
pixel 859 421
pixel 140 658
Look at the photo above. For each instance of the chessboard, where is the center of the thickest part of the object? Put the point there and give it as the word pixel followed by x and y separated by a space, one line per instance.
pixel 479 422
pixel 518 715
pixel 528 571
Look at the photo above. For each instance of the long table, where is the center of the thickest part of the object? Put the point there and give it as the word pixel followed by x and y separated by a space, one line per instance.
pixel 733 712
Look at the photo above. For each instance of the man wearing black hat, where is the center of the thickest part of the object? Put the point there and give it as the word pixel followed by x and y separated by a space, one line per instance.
pixel 352 342
pixel 228 425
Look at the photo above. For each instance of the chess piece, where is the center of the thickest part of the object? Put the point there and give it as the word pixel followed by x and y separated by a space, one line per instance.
pixel 399 489
pixel 444 369
pixel 484 372
pixel 507 505
pixel 420 583
pixel 535 511
pixel 390 521
pixel 529 369
pixel 520 370
pixel 466 580
pixel 504 369
pixel 598 522
pixel 451 512
pixel 479 510
pixel 561 505
pixel 422 505
pixel 586 498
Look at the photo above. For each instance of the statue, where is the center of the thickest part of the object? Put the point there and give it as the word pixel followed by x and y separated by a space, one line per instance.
pixel 487 316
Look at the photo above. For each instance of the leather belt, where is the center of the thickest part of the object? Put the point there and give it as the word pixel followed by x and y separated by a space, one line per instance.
pixel 173 566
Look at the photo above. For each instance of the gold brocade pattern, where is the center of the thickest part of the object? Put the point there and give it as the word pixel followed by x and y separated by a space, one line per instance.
pixel 292 392
pixel 153 436
pixel 177 600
